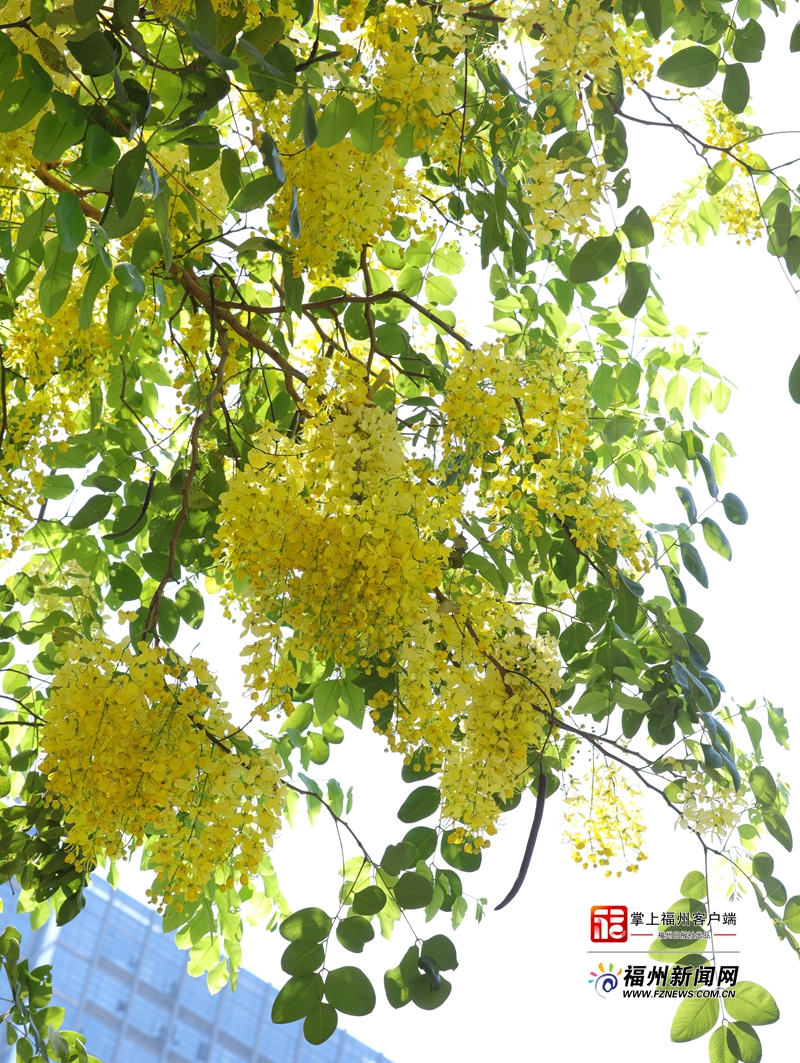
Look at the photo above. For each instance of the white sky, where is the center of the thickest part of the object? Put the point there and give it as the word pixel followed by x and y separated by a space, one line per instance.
pixel 521 990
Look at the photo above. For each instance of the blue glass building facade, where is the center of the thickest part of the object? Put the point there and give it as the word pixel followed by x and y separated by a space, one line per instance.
pixel 123 984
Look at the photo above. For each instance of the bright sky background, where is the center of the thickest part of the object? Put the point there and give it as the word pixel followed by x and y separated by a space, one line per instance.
pixel 521 989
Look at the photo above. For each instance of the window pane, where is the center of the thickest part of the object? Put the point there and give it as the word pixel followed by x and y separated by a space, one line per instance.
pixel 223 1054
pixel 327 1052
pixel 163 964
pixel 239 1022
pixel 124 939
pixel 196 997
pixel 70 973
pixel 189 1041
pixel 109 992
pixel 134 1052
pixel 278 1043
pixel 149 1017
pixel 101 1040
pixel 83 933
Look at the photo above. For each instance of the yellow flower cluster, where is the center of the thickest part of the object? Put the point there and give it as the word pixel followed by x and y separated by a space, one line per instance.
pixel 538 408
pixel 59 365
pixel 706 806
pixel 604 823
pixel 136 743
pixel 339 537
pixel 346 201
pixel 335 536
pixel 691 213
pixel 565 203
pixel 479 697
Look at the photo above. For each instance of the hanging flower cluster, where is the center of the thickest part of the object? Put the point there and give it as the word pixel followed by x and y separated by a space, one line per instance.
pixel 136 743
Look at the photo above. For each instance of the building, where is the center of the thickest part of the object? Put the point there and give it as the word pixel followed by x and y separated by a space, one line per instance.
pixel 123 984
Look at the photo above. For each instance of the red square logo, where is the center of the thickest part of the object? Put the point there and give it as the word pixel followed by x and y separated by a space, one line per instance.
pixel 609 923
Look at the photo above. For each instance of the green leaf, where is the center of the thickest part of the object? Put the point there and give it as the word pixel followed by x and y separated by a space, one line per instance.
pixel 309 122
pixel 57 279
pixel 778 828
pixel 230 171
pixel 440 289
pixel 795 381
pixel 320 1023
pixel 413 891
pixel 95 281
pixel 763 786
pixel 57 132
pixel 744 1042
pixel 708 472
pixel 91 512
pixel 763 866
pixel 146 250
pixel 255 193
pixel 752 1004
pixel 735 509
pixel 354 932
pixel 424 839
pixel 369 901
pixel 396 981
pixel 449 260
pixel 85 10
pixel 122 305
pixel 350 991
pixel 716 538
pixel 694 564
pixel 126 177
pixel 651 9
pixel 397 858
pixel 425 996
pixel 748 42
pixel 442 950
pixel 420 803
pixel 365 132
pixel 718 1048
pixel 691 68
pixel 700 397
pixel 190 606
pixel 637 285
pixel 297 998
pixel 590 702
pixel 130 278
pixel 604 386
pixel 685 495
pixel 56 486
pixel 19 104
pixel 595 259
pixel 295 225
pixel 308 924
pixel 736 88
pixel 125 583
pixel 775 891
pixel 203 46
pixel 302 958
pixel 694 1018
pixel 456 856
pixel 794 40
pixel 791 914
pixel 694 886
pixel 336 121
pixel 721 173
pixel 638 227
pixel 169 621
pixel 70 221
